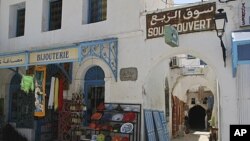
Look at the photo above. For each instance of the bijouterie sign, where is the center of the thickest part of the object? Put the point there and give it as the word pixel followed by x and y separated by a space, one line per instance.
pixel 186 20
pixel 60 55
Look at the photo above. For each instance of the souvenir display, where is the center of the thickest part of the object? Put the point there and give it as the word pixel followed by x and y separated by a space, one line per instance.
pixel 116 122
pixel 117 117
pixel 127 128
pixel 129 117
pixel 40 80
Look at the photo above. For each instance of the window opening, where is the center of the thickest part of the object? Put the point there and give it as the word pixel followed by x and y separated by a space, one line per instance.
pixel 98 10
pixel 20 22
pixel 193 101
pixel 55 15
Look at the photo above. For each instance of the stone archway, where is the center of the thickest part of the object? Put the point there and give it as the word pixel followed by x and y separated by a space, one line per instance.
pixel 197 117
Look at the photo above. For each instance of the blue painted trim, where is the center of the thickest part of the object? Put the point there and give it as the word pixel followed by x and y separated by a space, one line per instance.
pixel 12 53
pixel 6 67
pixel 65 72
pixel 110 56
pixel 53 62
pixel 54 48
pixel 244 62
pixel 235 60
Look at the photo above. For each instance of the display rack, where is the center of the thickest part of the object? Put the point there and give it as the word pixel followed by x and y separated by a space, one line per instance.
pixel 71 118
pixel 115 120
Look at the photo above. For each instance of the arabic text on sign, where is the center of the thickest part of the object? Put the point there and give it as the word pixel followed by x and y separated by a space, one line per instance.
pixel 178 15
pixel 185 20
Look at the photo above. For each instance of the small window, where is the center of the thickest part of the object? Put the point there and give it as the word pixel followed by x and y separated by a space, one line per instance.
pixel 17 20
pixel 98 10
pixel 193 101
pixel 55 14
pixel 20 22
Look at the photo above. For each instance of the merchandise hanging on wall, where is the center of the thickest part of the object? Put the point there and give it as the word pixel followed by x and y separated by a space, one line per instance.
pixel 40 80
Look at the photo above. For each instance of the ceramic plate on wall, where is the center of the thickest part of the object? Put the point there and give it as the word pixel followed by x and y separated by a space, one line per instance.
pixel 127 127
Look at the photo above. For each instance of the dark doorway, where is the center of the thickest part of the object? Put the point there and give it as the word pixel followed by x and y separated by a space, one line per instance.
pixel 94 89
pixel 197 118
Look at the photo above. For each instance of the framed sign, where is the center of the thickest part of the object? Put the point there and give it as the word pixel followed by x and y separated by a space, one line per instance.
pixel 40 81
pixel 186 20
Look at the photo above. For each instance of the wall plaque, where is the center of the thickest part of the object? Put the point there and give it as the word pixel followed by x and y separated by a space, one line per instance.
pixel 128 74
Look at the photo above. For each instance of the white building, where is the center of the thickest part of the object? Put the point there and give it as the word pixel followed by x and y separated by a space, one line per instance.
pixel 137 69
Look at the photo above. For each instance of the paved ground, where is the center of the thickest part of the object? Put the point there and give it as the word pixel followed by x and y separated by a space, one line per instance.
pixel 194 136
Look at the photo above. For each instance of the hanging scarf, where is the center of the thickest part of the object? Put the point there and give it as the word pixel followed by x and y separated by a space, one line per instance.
pixel 51 94
pixel 56 94
pixel 27 83
pixel 60 95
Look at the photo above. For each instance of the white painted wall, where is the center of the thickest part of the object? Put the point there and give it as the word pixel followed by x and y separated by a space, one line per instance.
pixel 127 22
pixel 120 20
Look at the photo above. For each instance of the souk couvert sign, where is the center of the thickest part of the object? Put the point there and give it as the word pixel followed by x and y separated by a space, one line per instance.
pixel 185 20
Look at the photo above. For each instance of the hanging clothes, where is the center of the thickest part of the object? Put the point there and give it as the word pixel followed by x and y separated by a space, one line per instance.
pixel 51 93
pixel 56 94
pixel 60 94
pixel 27 83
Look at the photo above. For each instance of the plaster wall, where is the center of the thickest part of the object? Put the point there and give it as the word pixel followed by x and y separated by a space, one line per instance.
pixel 150 57
pixel 120 20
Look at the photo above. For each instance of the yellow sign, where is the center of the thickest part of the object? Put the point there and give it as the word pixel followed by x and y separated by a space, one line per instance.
pixel 12 60
pixel 60 55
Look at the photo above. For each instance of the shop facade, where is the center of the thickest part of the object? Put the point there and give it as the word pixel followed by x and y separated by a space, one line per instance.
pixel 120 61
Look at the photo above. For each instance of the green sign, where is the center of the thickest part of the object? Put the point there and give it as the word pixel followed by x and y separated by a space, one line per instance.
pixel 171 36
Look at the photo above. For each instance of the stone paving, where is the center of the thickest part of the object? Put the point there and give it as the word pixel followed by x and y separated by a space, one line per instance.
pixel 193 136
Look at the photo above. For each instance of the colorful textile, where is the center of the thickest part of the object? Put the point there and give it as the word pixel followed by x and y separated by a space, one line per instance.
pixel 60 95
pixel 27 83
pixel 56 94
pixel 51 93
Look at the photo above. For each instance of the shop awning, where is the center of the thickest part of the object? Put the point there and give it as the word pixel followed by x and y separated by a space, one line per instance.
pixel 106 50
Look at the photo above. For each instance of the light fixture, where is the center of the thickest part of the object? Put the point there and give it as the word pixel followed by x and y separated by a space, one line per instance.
pixel 220 21
pixel 225 1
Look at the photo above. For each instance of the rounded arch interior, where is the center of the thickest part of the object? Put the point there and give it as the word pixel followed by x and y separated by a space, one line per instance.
pixel 177 87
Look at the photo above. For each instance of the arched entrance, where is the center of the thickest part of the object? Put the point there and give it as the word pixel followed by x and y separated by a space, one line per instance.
pixel 197 117
pixel 93 90
pixel 13 91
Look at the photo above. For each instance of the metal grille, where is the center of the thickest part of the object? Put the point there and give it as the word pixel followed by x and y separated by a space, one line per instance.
pixel 55 15
pixel 98 10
